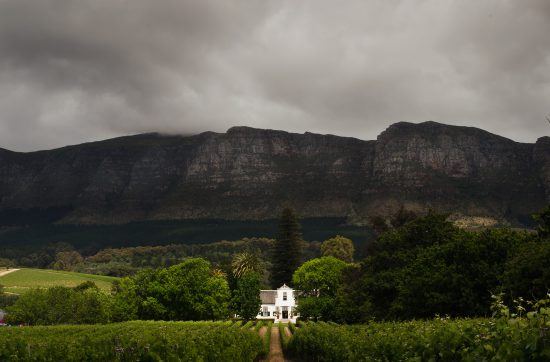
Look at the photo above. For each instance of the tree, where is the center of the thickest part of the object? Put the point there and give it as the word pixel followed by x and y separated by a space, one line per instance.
pixel 456 277
pixel 527 272
pixel 186 291
pixel 401 217
pixel 427 267
pixel 381 224
pixel 246 262
pixel 352 304
pixel 246 297
pixel 338 247
pixel 318 281
pixel 125 301
pixel 66 260
pixel 60 305
pixel 287 250
pixel 6 263
pixel 543 221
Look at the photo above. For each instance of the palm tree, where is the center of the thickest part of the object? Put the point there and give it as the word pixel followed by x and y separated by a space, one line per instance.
pixel 246 262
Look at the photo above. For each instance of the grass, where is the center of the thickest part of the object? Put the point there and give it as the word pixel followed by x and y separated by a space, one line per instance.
pixel 22 280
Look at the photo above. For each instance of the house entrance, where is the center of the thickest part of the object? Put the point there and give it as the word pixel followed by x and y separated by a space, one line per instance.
pixel 285 312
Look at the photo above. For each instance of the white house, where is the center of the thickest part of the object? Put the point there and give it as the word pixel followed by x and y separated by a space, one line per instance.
pixel 278 304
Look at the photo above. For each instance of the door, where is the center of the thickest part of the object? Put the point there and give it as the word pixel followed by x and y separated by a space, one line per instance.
pixel 285 314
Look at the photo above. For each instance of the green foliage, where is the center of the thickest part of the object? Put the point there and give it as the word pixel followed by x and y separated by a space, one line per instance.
pixel 32 245
pixel 527 272
pixel 246 297
pixel 318 281
pixel 128 261
pixel 507 338
pixel 287 250
pixel 543 221
pixel 246 262
pixel 6 299
pixel 86 285
pixel 132 341
pixel 339 247
pixel 283 336
pixel 319 276
pixel 6 263
pixel 381 224
pixel 456 277
pixel 352 303
pixel 124 306
pixel 267 337
pixel 427 267
pixel 67 260
pixel 60 305
pixel 187 291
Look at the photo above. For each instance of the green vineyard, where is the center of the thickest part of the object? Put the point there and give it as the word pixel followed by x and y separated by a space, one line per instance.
pixel 525 339
pixel 132 341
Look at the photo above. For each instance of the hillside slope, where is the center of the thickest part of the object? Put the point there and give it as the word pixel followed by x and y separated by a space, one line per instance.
pixel 249 173
pixel 22 280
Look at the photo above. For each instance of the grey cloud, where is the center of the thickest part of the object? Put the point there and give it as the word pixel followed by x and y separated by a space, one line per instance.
pixel 79 71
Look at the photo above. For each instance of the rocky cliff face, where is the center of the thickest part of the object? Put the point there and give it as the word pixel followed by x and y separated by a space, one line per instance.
pixel 249 173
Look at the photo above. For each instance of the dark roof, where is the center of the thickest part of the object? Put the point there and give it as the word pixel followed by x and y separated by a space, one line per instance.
pixel 268 296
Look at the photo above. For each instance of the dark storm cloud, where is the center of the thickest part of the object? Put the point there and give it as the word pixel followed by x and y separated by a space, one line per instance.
pixel 72 71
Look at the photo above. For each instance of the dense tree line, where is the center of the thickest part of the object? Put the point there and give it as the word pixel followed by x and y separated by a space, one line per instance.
pixel 427 267
pixel 128 261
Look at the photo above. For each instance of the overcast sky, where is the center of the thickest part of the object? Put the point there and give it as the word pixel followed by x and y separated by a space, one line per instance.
pixel 74 71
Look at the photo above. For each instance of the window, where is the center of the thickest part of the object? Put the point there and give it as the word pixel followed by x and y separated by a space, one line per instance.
pixel 284 295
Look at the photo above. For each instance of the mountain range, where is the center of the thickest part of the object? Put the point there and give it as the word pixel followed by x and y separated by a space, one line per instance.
pixel 251 174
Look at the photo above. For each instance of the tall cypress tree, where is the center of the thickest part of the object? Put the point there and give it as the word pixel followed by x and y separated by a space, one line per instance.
pixel 287 251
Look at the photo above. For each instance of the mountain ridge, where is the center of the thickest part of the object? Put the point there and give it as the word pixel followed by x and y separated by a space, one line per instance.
pixel 237 128
pixel 251 173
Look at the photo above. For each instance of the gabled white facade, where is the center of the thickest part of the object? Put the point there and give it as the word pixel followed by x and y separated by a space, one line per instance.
pixel 279 305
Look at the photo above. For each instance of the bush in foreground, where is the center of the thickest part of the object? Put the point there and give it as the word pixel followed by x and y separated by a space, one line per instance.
pixel 132 341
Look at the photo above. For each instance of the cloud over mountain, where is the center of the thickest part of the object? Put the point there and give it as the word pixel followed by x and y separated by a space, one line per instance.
pixel 76 71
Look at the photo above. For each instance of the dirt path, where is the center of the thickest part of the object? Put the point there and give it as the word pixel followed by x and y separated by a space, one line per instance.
pixel 262 332
pixel 275 348
pixel 4 272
